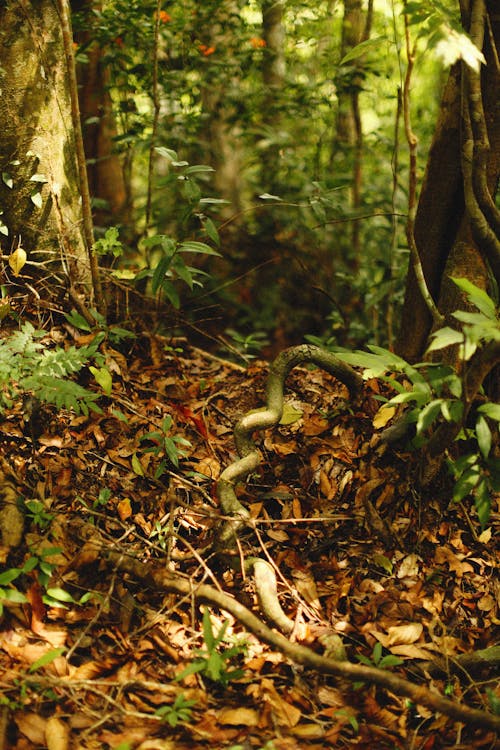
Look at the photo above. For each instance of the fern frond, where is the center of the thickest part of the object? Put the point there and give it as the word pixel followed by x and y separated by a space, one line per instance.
pixel 64 394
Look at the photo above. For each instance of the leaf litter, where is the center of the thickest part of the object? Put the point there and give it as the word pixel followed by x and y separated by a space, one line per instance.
pixel 368 569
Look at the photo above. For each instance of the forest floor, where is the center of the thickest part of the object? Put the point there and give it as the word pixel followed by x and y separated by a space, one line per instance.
pixel 413 578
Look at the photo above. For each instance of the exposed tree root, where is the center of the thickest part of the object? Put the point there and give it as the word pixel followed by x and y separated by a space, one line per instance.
pixel 157 578
pixel 250 456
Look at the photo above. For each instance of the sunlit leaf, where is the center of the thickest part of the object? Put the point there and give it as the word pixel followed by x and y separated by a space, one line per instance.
pixel 17 260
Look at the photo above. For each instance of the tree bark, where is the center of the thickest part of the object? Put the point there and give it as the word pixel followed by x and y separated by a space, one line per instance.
pixel 37 144
pixel 446 226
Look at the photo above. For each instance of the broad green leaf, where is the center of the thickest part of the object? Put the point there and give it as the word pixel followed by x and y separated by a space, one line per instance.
pixel 60 594
pixel 211 230
pixel 166 152
pixel 290 414
pixel 477 296
pixel 482 501
pixel 12 595
pixel 445 337
pixel 137 466
pixel 159 272
pixel 491 410
pixel 466 483
pixel 428 415
pixel 484 437
pixel 103 378
pixel 9 575
pixel 383 562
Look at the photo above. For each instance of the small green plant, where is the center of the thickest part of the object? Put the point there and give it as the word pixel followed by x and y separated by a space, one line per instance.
pixel 29 367
pixel 249 345
pixel 180 711
pixel 165 256
pixel 437 393
pixel 39 563
pixel 114 333
pixel 378 660
pixel 37 513
pixel 164 443
pixel 213 660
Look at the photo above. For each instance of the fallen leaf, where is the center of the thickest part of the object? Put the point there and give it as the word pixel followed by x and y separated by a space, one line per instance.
pixel 56 734
pixel 384 415
pixel 404 633
pixel 239 716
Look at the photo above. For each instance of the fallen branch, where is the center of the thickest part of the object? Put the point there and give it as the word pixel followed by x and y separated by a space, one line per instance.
pixel 157 578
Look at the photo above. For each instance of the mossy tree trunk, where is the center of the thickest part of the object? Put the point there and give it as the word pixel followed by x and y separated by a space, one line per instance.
pixel 39 191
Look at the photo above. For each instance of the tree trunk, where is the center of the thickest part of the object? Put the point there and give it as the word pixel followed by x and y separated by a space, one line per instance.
pixel 39 192
pixel 456 227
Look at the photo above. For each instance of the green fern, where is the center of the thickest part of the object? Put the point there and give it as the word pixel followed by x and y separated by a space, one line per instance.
pixel 27 366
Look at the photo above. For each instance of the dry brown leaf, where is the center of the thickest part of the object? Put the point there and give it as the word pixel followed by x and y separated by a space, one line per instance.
pixel 239 716
pixel 458 566
pixel 56 734
pixel 408 633
pixel 32 725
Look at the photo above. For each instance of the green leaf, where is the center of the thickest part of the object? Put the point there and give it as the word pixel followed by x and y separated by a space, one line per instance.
pixel 160 271
pixel 390 661
pixel 12 595
pixel 377 652
pixel 198 169
pixel 290 414
pixel 428 414
pixel 482 501
pixel 466 483
pixel 192 246
pixel 166 152
pixel 211 230
pixel 103 378
pixel 484 437
pixel 383 562
pixel 208 633
pixel 7 179
pixel 362 48
pixel 59 594
pixel 477 296
pixel 47 658
pixel 9 575
pixel 491 410
pixel 137 466
pixel 445 337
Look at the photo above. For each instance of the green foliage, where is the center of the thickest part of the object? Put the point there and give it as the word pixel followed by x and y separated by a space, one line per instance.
pixel 38 563
pixel 378 660
pixel 435 394
pixel 165 444
pixel 28 366
pixel 213 660
pixel 180 711
pixel 114 333
pixel 109 244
